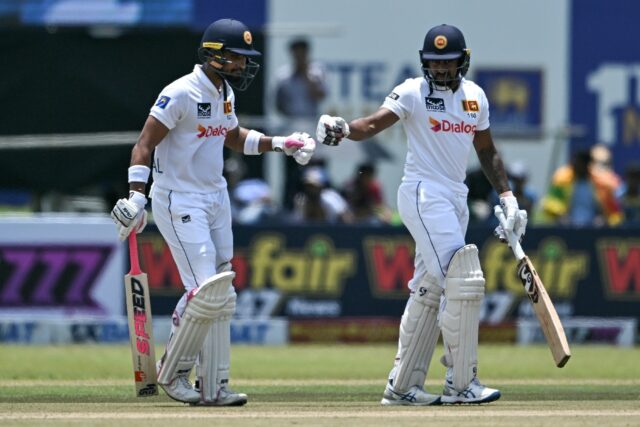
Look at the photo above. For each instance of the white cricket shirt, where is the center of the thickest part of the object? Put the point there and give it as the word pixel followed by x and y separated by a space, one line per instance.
pixel 440 128
pixel 189 158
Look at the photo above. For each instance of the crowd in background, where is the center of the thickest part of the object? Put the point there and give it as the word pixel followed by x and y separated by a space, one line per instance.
pixel 584 192
pixel 315 199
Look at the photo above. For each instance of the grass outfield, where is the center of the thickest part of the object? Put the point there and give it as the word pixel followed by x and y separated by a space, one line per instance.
pixel 320 385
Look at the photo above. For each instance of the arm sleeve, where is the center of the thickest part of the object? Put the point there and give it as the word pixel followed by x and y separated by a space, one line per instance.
pixel 399 101
pixel 483 117
pixel 170 107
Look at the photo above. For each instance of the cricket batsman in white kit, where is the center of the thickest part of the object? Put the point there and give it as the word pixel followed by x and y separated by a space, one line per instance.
pixel 188 126
pixel 443 115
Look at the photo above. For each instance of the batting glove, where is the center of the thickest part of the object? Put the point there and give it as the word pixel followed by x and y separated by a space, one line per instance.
pixel 509 205
pixel 299 145
pixel 129 214
pixel 519 228
pixel 288 144
pixel 304 153
pixel 520 225
pixel 332 130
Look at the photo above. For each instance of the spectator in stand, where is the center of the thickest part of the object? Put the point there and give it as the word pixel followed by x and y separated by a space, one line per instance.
pixel 300 87
pixel 319 203
pixel 251 199
pixel 602 165
pixel 302 84
pixel 630 194
pixel 364 196
pixel 581 195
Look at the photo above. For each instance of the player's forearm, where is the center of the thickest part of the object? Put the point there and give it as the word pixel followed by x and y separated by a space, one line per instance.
pixel 140 155
pixel 493 169
pixel 367 127
pixel 238 143
pixel 361 129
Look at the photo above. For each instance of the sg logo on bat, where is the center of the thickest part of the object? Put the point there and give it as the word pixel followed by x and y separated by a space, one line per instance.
pixel 526 275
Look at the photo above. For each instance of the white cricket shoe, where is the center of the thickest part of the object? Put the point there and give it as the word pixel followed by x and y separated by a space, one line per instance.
pixel 415 396
pixel 474 393
pixel 180 388
pixel 226 397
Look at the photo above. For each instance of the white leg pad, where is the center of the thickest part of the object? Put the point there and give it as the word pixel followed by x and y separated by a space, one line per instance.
pixel 203 306
pixel 213 368
pixel 464 290
pixel 418 336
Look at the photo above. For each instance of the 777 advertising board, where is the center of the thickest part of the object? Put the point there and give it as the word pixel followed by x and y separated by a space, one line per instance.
pixel 60 266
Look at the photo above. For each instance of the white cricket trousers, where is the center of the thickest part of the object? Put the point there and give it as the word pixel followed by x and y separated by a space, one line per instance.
pixel 437 219
pixel 197 228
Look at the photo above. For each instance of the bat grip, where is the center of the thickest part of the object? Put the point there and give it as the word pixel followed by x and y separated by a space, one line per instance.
pixel 512 240
pixel 133 254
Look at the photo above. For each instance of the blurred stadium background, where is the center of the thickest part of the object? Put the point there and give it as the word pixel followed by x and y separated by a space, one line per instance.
pixel 78 78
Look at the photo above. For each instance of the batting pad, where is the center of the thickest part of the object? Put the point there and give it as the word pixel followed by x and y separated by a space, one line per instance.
pixel 464 290
pixel 418 336
pixel 213 362
pixel 204 305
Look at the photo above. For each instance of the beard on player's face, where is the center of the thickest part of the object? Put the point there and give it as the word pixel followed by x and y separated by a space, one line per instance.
pixel 444 73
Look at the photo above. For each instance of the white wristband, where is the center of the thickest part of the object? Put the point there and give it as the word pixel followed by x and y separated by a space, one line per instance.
pixel 252 142
pixel 139 173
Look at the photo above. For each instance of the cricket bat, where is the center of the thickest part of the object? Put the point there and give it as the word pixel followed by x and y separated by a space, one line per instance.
pixel 542 305
pixel 140 325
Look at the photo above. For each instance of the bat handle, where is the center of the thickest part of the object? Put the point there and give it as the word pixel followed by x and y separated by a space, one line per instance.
pixel 514 244
pixel 133 254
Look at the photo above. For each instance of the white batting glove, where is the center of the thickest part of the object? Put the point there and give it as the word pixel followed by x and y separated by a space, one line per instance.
pixel 304 153
pixel 509 205
pixel 299 145
pixel 129 214
pixel 519 228
pixel 288 144
pixel 332 130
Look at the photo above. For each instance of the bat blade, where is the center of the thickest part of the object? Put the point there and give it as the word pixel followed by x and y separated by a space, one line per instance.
pixel 141 334
pixel 545 312
pixel 140 326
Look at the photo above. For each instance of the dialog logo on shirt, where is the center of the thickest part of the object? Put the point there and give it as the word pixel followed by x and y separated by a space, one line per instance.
pixel 205 132
pixel 451 127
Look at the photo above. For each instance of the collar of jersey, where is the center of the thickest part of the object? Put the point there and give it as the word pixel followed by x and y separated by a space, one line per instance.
pixel 200 74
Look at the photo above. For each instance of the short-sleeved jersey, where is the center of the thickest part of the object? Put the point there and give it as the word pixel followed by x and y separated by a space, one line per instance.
pixel 440 128
pixel 189 158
